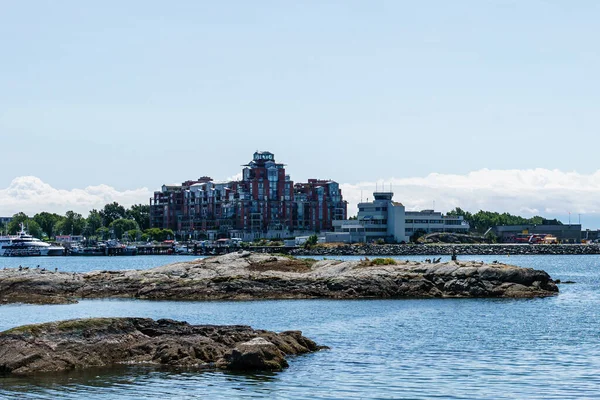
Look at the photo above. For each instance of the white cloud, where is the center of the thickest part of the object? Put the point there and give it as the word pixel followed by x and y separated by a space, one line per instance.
pixel 236 177
pixel 31 195
pixel 549 193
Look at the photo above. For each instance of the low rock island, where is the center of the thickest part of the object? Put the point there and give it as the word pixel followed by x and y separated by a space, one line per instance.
pixel 245 276
pixel 95 342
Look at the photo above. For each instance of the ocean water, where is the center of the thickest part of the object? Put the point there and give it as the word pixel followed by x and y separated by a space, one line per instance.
pixel 93 263
pixel 402 349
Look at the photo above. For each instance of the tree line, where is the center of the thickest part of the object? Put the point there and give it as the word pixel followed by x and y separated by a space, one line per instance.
pixel 481 221
pixel 112 221
pixel 116 221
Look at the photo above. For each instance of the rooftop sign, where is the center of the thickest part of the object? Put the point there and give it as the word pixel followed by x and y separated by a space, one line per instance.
pixel 263 156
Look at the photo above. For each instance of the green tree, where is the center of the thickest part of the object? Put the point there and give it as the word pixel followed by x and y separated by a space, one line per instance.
pixel 103 233
pixel 483 220
pixel 29 224
pixel 141 214
pixel 47 222
pixel 168 234
pixel 72 224
pixel 133 235
pixel 122 225
pixel 34 229
pixel 92 223
pixel 14 225
pixel 459 212
pixel 112 212
pixel 311 241
pixel 159 234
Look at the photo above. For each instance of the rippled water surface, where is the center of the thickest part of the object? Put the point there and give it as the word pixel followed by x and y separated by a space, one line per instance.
pixel 435 348
pixel 92 263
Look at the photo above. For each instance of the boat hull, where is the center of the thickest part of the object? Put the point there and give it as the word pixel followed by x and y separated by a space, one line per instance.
pixel 55 251
pixel 33 252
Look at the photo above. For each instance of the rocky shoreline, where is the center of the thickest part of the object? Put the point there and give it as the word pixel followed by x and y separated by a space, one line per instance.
pixel 448 249
pixel 96 342
pixel 247 276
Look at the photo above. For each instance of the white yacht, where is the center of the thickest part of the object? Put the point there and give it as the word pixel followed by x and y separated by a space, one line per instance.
pixel 24 244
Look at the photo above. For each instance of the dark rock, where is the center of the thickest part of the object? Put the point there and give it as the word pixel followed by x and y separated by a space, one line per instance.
pixel 33 298
pixel 257 353
pixel 82 343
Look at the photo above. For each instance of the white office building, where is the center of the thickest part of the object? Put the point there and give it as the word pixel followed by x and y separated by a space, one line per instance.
pixel 386 219
pixel 431 221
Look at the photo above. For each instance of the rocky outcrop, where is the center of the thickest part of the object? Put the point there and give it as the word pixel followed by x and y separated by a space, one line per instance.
pixel 447 249
pixel 82 343
pixel 245 276
pixel 257 353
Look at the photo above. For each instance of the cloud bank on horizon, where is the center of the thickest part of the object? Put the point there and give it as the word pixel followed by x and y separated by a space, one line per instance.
pixel 31 195
pixel 550 193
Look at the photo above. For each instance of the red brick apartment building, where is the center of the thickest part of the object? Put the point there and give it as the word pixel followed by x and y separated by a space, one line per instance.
pixel 265 203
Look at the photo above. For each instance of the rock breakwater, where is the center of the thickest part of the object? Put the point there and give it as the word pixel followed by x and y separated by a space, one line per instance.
pixel 245 276
pixel 83 343
pixel 448 249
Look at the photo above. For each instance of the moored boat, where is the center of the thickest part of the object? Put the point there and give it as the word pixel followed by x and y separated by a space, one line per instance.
pixel 23 244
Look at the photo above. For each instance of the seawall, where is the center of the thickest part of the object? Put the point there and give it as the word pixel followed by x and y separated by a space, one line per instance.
pixel 448 249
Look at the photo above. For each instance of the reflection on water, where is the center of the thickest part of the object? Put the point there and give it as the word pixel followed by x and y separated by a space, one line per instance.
pixel 93 377
pixel 446 348
pixel 121 376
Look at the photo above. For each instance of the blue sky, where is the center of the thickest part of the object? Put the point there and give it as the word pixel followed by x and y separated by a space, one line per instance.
pixel 135 94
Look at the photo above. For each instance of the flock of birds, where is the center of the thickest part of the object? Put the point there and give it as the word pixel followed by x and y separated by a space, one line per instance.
pixel 22 268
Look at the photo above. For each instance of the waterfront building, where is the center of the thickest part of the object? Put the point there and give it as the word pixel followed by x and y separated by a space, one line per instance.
pixel 382 218
pixel 570 233
pixel 68 238
pixel 265 203
pixel 590 235
pixel 431 221
pixel 388 220
pixel 317 204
